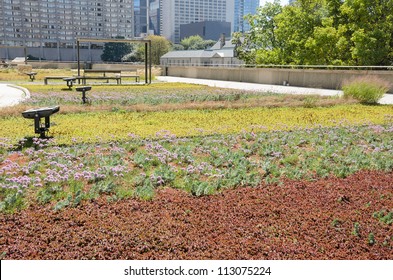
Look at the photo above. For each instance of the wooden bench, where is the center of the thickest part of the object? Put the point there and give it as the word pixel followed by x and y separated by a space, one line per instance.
pixel 84 78
pixel 31 75
pixel 131 73
pixel 104 76
pixel 102 71
pixel 53 78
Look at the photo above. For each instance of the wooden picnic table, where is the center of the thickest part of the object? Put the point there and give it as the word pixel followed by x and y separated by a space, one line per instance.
pixel 119 74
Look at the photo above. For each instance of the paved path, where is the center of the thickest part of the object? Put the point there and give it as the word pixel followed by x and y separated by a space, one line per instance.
pixel 11 95
pixel 387 98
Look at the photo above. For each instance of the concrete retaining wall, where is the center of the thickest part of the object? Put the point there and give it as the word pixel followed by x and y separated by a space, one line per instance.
pixel 328 79
pixel 74 65
pixel 57 54
pixel 53 65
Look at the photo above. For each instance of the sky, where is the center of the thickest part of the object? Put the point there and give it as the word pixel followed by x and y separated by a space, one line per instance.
pixel 283 2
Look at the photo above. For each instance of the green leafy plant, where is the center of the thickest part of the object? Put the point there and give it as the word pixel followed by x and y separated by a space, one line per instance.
pixel 145 191
pixel 367 89
pixel 356 229
pixel 48 193
pixel 371 239
pixel 384 217
pixel 13 201
pixel 336 222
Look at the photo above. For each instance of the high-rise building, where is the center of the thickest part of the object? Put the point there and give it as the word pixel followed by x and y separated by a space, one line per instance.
pixel 242 8
pixel 55 24
pixel 154 16
pixel 174 13
pixel 140 17
pixel 208 30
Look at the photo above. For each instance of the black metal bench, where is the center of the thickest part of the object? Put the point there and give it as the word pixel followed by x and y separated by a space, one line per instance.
pixel 70 81
pixel 83 90
pixel 39 113
pixel 31 75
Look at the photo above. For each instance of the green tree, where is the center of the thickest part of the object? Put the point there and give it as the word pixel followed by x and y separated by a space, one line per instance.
pixel 347 32
pixel 371 30
pixel 159 46
pixel 114 52
pixel 196 42
pixel 327 45
pixel 296 25
pixel 261 39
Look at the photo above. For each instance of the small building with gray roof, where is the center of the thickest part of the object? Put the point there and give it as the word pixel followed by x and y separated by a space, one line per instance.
pixel 221 54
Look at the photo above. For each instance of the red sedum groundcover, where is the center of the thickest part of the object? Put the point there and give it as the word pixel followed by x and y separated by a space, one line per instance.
pixel 326 219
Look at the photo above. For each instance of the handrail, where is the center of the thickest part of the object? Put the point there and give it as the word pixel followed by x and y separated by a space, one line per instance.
pixel 327 67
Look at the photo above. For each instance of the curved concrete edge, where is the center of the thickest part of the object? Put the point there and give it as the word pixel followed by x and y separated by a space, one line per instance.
pixel 11 95
pixel 24 90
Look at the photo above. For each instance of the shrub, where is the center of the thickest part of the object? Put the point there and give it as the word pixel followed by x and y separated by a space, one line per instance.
pixel 366 89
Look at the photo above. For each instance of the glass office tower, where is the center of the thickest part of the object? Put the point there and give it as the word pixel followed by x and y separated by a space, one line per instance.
pixel 242 8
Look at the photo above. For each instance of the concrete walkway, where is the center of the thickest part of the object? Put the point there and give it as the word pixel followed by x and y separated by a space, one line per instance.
pixel 11 95
pixel 387 98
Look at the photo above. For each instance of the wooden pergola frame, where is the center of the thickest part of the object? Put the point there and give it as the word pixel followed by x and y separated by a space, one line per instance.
pixel 147 43
pixel 10 47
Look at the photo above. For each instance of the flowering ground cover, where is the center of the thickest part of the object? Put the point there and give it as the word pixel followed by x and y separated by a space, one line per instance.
pixel 66 175
pixel 105 126
pixel 306 182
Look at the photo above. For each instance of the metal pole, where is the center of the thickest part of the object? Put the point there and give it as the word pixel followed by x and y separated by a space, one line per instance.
pixel 78 57
pixel 150 62
pixel 146 63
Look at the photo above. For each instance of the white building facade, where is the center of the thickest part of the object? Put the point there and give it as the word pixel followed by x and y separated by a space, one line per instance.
pixel 177 12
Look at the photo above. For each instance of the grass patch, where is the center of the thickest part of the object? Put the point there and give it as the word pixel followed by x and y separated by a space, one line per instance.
pixel 367 89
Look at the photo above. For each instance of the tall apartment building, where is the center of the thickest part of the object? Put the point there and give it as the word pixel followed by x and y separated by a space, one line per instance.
pixel 54 25
pixel 174 13
pixel 242 8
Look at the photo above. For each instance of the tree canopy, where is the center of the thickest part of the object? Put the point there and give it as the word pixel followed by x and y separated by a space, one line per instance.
pixel 159 46
pixel 196 42
pixel 325 32
pixel 114 52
